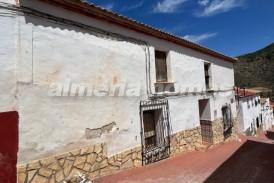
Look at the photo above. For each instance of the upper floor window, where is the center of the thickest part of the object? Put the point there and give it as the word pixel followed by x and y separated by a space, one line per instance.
pixel 207 69
pixel 161 66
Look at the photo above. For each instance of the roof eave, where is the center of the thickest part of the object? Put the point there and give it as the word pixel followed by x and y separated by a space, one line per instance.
pixel 99 13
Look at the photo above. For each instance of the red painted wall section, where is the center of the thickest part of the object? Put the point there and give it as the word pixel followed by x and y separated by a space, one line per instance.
pixel 8 146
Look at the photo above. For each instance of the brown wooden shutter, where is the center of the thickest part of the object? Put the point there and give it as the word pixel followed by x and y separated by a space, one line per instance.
pixel 161 66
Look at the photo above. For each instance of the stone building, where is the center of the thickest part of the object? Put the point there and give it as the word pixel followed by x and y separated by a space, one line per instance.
pixel 96 92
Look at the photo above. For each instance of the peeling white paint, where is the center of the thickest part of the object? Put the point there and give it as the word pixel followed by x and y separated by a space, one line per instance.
pixel 50 52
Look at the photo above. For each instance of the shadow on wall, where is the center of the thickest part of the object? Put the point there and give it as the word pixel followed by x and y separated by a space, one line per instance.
pixel 46 20
pixel 252 162
pixel 8 146
pixel 72 24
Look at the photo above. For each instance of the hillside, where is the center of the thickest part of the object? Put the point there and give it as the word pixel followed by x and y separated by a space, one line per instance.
pixel 256 69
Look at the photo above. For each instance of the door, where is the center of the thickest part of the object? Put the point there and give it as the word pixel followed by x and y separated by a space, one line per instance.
pixel 155 130
pixel 8 146
pixel 205 122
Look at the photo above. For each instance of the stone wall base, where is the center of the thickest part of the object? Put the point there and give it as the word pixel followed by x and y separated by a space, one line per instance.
pixel 185 141
pixel 91 161
pixel 218 131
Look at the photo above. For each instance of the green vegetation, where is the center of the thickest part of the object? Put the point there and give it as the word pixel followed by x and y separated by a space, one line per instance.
pixel 256 69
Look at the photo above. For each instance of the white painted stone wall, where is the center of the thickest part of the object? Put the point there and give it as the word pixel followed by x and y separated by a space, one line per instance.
pixel 248 112
pixel 58 53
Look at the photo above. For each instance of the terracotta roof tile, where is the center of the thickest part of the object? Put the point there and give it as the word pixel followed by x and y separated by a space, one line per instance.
pixel 240 92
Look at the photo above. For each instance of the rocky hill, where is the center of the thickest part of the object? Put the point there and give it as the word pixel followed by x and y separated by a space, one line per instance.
pixel 256 69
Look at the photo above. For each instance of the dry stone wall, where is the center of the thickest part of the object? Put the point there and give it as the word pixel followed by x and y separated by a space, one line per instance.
pixel 218 131
pixel 91 161
pixel 94 162
pixel 185 141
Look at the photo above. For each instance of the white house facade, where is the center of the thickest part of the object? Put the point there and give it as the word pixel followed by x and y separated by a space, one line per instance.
pixel 98 93
pixel 249 111
pixel 267 114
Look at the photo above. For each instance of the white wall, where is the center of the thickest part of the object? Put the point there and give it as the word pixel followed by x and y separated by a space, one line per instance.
pixel 8 51
pixel 54 53
pixel 267 114
pixel 180 56
pixel 247 115
pixel 184 111
pixel 60 54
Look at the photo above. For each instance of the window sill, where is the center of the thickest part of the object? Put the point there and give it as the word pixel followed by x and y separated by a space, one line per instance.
pixel 210 90
pixel 164 87
pixel 164 82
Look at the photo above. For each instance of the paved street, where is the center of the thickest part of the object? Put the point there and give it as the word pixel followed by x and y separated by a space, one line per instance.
pixel 251 160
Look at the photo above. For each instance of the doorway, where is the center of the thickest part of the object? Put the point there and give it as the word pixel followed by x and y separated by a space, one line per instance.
pixel 205 121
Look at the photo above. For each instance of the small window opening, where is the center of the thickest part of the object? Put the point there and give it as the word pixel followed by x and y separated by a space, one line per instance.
pixel 207 67
pixel 161 66
pixel 162 81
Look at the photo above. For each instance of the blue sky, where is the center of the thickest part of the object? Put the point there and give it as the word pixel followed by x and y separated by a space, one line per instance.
pixel 233 27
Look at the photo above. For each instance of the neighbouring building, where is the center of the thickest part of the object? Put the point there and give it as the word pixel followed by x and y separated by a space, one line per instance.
pixel 96 92
pixel 267 114
pixel 249 111
pixel 272 106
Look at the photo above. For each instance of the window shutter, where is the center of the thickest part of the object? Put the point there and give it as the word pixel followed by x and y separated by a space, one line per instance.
pixel 161 66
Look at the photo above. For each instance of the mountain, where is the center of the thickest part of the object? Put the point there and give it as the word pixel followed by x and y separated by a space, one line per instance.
pixel 256 69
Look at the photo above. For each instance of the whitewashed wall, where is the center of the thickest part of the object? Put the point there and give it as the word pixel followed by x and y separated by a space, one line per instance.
pixel 53 53
pixel 60 54
pixel 267 114
pixel 247 115
pixel 179 56
pixel 184 111
pixel 8 51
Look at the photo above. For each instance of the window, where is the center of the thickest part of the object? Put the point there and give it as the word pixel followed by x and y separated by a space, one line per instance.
pixel 207 75
pixel 163 83
pixel 150 127
pixel 161 66
pixel 155 130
